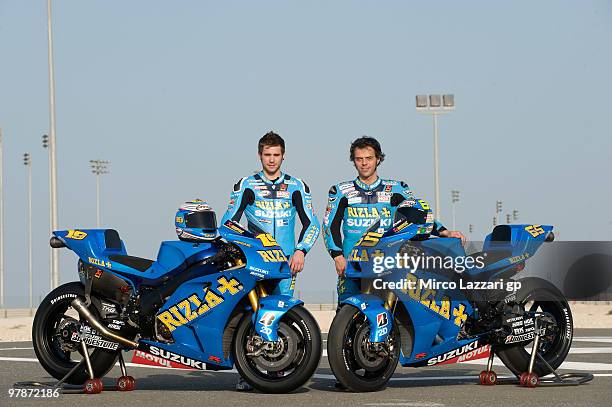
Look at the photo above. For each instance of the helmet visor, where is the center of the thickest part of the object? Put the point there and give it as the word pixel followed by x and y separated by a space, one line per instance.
pixel 205 220
pixel 411 214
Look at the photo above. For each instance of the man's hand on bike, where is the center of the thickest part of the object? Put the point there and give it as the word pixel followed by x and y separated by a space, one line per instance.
pixel 297 262
pixel 340 263
pixel 453 233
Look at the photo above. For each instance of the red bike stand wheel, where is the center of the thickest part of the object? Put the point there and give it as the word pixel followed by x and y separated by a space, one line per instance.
pixel 483 377
pixel 126 383
pixel 523 378
pixel 487 378
pixel 93 386
pixel 491 378
pixel 531 380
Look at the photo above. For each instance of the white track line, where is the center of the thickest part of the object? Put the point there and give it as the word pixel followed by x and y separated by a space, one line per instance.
pixel 579 351
pixel 589 366
pixel 595 340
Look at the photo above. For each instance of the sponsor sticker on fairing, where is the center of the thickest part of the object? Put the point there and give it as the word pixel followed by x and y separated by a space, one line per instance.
pixel 381 320
pixel 90 337
pixel 471 351
pixel 161 357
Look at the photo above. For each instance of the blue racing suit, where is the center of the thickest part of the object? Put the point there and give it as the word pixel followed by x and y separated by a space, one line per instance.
pixel 353 207
pixel 271 206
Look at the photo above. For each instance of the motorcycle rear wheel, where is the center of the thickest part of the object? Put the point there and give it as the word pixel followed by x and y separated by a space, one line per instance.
pixel 53 310
pixel 539 295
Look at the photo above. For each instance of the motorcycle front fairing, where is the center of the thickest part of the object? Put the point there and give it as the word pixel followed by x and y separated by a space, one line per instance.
pixel 436 315
pixel 197 314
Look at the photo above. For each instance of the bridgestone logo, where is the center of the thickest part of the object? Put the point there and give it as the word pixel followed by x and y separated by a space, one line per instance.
pixel 95 341
pixel 61 297
pixel 520 338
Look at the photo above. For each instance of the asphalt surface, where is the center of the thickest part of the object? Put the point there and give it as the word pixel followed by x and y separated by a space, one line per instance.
pixel 451 385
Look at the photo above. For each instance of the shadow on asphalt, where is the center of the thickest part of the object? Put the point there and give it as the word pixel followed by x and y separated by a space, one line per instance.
pixel 420 374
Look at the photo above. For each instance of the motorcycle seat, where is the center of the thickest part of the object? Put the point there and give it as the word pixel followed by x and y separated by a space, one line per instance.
pixel 136 263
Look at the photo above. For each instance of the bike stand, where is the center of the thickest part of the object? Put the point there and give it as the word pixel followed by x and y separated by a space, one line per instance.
pixel 531 379
pixel 488 377
pixel 92 385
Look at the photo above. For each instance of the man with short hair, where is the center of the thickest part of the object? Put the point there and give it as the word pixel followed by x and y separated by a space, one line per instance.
pixel 270 200
pixel 353 206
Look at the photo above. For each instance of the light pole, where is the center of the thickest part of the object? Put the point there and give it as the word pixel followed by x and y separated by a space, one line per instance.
pixel 435 105
pixel 498 211
pixel 1 225
pixel 454 200
pixel 45 144
pixel 98 167
pixel 27 161
pixel 52 153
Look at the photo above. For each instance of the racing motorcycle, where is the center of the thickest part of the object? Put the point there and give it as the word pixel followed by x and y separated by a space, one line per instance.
pixel 207 302
pixel 441 314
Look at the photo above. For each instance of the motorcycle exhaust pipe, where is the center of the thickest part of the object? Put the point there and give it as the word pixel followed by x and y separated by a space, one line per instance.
pixel 78 305
pixel 56 243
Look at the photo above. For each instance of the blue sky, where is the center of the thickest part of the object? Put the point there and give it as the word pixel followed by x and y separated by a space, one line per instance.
pixel 176 95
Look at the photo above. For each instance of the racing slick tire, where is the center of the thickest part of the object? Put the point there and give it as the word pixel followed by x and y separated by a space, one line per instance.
pixel 46 341
pixel 538 294
pixel 292 365
pixel 342 345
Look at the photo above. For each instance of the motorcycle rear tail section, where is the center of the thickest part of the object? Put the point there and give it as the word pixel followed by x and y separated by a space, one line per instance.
pixel 96 244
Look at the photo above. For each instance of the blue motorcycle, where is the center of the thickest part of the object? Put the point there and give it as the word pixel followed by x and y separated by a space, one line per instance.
pixel 424 302
pixel 206 302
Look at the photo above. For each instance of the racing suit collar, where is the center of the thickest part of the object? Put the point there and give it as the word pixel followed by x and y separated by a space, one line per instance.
pixel 280 178
pixel 365 186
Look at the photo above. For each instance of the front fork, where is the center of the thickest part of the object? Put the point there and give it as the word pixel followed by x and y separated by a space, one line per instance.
pixel 390 301
pixel 255 294
pixel 268 311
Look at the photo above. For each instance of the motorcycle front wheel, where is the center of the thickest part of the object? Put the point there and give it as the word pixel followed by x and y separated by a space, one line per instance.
pixel 284 365
pixel 354 362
